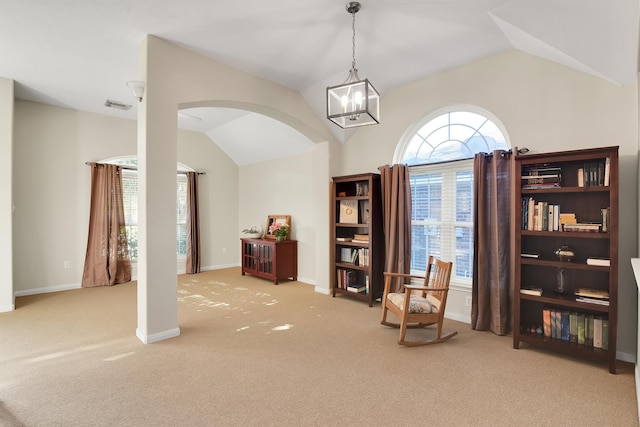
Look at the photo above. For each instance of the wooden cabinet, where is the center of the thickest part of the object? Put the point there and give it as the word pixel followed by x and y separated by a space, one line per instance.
pixel 575 186
pixel 270 259
pixel 357 248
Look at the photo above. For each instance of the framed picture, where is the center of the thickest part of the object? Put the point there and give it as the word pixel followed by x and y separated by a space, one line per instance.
pixel 349 211
pixel 277 219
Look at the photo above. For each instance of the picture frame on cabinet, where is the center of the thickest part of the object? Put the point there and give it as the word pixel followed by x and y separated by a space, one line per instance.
pixel 277 219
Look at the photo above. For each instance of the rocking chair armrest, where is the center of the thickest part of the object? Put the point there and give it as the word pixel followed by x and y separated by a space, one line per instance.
pixel 404 275
pixel 425 288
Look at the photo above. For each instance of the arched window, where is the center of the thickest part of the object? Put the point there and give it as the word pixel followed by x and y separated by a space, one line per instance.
pixel 130 201
pixel 440 151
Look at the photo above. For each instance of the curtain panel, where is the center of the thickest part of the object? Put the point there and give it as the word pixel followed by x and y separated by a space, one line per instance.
pixel 107 260
pixel 491 290
pixel 193 225
pixel 396 213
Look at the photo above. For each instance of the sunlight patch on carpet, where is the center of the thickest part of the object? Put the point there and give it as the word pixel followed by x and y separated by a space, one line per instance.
pixel 284 327
pixel 217 283
pixel 244 328
pixel 202 301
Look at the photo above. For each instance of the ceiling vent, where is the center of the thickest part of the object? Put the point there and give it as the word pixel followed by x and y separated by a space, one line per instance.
pixel 117 104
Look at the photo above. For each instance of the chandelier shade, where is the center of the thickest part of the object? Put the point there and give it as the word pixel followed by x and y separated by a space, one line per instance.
pixel 355 102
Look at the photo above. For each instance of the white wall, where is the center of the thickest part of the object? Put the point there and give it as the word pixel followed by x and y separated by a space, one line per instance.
pixel 52 190
pixel 543 106
pixel 6 195
pixel 283 187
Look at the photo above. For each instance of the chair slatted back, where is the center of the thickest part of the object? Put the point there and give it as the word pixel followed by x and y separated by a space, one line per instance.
pixel 438 276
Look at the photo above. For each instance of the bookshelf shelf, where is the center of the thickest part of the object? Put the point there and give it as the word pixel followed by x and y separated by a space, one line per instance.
pixel 583 198
pixel 357 210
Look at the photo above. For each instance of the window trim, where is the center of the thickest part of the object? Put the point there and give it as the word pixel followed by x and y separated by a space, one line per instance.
pixel 407 136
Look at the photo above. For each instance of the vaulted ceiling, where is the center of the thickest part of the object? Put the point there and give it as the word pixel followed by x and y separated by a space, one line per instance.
pixel 78 53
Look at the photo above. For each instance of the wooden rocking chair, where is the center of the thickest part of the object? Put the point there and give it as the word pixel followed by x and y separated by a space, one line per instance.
pixel 424 307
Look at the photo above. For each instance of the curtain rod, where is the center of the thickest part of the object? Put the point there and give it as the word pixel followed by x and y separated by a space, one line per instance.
pixel 135 168
pixel 504 153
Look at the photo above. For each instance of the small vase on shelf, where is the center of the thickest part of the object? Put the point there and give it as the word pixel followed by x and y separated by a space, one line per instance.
pixel 281 238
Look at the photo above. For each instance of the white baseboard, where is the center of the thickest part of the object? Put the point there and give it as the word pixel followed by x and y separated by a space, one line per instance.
pixel 322 290
pixel 159 336
pixel 638 388
pixel 217 267
pixel 48 289
pixel 460 317
pixel 6 308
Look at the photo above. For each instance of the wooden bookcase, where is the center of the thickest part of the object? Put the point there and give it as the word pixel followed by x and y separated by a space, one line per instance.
pixel 270 259
pixel 580 190
pixel 357 210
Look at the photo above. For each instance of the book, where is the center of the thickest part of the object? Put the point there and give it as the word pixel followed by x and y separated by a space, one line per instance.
pixel 592 293
pixel 581 330
pixel 528 290
pixel 597 332
pixel 546 322
pixel 598 261
pixel 580 177
pixel 607 171
pixel 588 324
pixel 593 301
pixel 349 211
pixel 605 334
pixel 583 227
pixel 565 326
pixel 573 327
pixel 344 239
pixel 345 255
pixel 555 324
pixel 361 236
pixel 357 288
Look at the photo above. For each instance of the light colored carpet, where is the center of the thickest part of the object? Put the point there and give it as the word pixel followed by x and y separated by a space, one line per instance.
pixel 251 353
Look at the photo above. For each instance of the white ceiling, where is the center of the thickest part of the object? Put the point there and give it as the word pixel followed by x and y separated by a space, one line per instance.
pixel 78 53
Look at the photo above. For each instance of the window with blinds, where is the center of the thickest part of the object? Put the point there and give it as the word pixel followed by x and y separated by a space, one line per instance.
pixel 130 202
pixel 442 216
pixel 441 155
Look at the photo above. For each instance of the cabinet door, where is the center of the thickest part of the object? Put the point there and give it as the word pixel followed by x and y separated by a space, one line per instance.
pixel 249 256
pixel 265 256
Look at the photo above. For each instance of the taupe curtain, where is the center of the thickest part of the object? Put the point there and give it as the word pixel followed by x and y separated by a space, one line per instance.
pixel 396 219
pixel 193 224
pixel 491 291
pixel 107 260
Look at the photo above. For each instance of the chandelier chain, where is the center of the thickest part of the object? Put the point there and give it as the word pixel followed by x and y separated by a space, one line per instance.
pixel 353 40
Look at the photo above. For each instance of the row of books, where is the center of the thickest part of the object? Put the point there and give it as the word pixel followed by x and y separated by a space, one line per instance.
pixel 356 256
pixel 544 216
pixel 541 176
pixel 540 216
pixel 576 327
pixel 594 174
pixel 352 282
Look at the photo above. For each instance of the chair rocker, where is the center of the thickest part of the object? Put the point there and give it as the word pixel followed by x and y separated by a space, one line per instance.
pixel 419 306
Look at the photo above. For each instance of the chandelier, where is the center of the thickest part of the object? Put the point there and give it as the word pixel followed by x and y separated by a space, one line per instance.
pixel 354 102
